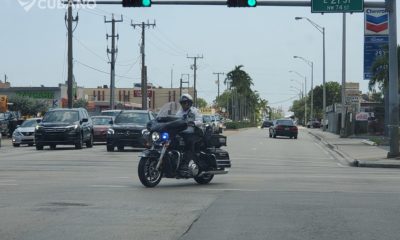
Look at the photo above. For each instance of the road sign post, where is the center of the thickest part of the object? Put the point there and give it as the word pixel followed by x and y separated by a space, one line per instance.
pixel 337 6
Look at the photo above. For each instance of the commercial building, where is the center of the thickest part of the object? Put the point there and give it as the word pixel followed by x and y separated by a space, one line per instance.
pixel 98 98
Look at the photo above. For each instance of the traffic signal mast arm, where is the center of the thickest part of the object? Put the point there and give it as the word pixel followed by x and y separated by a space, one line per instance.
pixel 372 4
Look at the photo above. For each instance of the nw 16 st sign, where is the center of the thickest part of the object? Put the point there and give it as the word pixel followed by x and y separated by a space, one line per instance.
pixel 337 6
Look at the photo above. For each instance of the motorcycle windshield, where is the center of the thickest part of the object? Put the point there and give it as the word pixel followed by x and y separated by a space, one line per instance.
pixel 167 120
pixel 169 110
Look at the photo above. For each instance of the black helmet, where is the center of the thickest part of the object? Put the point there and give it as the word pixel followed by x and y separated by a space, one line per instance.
pixel 186 98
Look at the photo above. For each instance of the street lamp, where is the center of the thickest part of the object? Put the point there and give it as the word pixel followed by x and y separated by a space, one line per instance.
pixel 297 90
pixel 321 30
pixel 311 64
pixel 305 94
pixel 301 85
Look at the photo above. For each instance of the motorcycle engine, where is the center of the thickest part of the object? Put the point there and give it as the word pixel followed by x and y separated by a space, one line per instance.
pixel 193 168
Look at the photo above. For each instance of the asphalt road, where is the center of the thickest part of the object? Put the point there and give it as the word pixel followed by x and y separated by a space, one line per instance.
pixel 277 189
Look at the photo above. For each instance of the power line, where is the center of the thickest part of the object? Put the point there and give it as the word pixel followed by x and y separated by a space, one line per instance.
pixel 89 50
pixel 101 71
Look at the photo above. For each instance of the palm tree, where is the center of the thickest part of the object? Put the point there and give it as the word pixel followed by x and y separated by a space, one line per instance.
pixel 239 79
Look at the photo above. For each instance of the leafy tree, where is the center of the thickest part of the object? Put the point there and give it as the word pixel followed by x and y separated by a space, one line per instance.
pixel 298 108
pixel 28 106
pixel 80 103
pixel 201 103
pixel 333 95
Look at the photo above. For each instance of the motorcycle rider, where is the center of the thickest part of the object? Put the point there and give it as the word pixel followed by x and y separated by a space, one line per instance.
pixel 194 132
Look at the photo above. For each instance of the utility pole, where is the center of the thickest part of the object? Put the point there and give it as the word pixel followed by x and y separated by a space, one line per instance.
pixel 343 129
pixel 182 82
pixel 393 125
pixel 70 19
pixel 194 77
pixel 143 25
pixel 112 63
pixel 172 74
pixel 218 73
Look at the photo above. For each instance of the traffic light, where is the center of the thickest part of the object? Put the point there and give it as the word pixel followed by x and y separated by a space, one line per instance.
pixel 241 3
pixel 136 3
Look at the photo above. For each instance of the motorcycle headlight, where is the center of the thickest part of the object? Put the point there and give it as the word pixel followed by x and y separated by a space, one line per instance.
pixel 164 136
pixel 110 131
pixel 155 136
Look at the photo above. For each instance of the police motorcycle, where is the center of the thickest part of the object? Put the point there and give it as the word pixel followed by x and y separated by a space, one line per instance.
pixel 166 153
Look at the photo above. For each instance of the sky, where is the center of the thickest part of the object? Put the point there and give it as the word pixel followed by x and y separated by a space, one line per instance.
pixel 262 39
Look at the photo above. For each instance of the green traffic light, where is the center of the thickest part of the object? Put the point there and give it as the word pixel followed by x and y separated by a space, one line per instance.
pixel 146 3
pixel 251 3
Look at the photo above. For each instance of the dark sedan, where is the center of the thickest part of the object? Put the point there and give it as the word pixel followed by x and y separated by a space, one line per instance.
pixel 283 127
pixel 101 124
pixel 266 124
pixel 127 130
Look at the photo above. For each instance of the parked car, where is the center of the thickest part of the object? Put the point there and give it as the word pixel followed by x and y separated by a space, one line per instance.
pixel 25 133
pixel 219 123
pixel 283 127
pixel 207 121
pixel 9 121
pixel 112 113
pixel 313 124
pixel 101 124
pixel 64 126
pixel 127 130
pixel 266 123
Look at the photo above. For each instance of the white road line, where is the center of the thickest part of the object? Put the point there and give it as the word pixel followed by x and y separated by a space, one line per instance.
pixel 8 184
pixel 231 189
pixel 108 186
pixel 7 180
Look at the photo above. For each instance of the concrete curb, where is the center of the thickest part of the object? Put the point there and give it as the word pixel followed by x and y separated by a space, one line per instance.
pixel 377 163
pixel 373 163
pixel 349 160
pixel 368 142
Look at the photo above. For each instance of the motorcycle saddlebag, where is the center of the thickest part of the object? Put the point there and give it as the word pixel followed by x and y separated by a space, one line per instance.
pixel 221 157
pixel 216 140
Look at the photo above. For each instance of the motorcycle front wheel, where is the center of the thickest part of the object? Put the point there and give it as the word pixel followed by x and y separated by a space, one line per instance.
pixel 205 179
pixel 148 174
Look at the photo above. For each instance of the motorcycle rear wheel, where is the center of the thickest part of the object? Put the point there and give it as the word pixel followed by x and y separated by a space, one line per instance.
pixel 205 179
pixel 148 174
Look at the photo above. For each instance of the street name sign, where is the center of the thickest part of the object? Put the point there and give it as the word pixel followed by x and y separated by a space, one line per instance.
pixel 337 6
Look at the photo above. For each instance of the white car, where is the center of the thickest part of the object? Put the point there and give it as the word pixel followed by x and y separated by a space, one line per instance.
pixel 25 133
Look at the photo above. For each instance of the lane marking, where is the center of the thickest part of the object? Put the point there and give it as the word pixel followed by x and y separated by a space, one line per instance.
pixel 231 189
pixel 108 186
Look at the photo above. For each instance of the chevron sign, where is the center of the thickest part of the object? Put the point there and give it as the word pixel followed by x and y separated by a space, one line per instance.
pixel 376 21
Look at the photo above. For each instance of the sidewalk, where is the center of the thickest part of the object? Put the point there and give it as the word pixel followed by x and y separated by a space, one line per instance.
pixel 357 152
